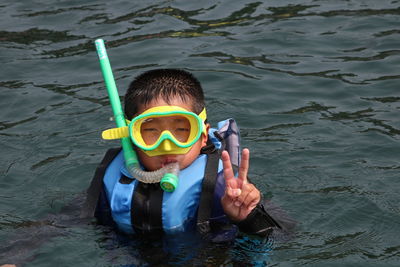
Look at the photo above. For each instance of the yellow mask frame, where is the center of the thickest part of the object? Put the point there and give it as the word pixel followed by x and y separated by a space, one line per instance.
pixel 166 142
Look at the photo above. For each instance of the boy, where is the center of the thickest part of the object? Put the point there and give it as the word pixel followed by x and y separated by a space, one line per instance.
pixel 209 199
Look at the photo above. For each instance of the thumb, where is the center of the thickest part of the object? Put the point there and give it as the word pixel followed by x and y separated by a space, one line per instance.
pixel 232 192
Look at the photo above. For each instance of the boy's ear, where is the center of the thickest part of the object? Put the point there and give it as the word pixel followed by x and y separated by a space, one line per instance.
pixel 205 137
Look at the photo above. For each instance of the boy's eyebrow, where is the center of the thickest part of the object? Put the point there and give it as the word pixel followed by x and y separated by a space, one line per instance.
pixel 179 119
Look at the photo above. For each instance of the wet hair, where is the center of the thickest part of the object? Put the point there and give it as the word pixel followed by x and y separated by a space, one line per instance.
pixel 165 84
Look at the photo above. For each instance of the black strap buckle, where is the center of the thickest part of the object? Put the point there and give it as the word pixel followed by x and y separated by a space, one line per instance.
pixel 203 227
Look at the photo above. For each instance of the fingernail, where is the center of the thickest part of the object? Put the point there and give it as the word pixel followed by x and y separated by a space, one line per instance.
pixel 230 191
pixel 237 203
pixel 237 192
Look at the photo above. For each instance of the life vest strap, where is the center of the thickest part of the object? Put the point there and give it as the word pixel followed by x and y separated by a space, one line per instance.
pixel 96 185
pixel 208 188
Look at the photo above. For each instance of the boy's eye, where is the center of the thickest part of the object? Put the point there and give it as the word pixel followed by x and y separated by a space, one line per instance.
pixel 150 129
pixel 182 129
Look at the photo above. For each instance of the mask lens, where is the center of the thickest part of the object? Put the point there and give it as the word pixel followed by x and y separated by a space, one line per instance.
pixel 152 128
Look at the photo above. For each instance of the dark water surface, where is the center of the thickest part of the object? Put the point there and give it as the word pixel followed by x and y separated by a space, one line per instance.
pixel 314 86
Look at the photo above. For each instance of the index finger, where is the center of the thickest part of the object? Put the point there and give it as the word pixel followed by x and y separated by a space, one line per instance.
pixel 244 165
pixel 227 166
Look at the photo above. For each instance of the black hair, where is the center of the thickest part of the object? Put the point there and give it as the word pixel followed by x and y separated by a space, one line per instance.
pixel 165 84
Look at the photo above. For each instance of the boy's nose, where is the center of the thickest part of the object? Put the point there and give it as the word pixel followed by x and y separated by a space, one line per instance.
pixel 166 145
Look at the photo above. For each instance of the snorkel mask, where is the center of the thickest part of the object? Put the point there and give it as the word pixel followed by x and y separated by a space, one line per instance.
pixel 162 130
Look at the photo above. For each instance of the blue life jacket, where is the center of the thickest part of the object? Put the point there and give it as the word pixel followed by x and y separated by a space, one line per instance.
pixel 178 208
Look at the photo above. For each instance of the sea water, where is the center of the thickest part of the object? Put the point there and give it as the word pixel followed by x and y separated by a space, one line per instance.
pixel 313 85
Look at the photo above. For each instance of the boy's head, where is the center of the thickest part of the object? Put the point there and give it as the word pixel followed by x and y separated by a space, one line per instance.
pixel 166 84
pixel 176 89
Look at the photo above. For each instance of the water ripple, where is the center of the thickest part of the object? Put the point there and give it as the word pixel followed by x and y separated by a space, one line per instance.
pixel 6 124
pixel 383 128
pixel 383 78
pixel 312 107
pixel 237 17
pixel 49 160
pixel 389 99
pixel 12 84
pixel 32 35
pixel 344 115
pixel 250 61
pixel 87 47
pixel 387 33
pixel 266 134
pixel 324 74
pixel 379 56
pixel 292 11
pixel 69 91
pixel 93 7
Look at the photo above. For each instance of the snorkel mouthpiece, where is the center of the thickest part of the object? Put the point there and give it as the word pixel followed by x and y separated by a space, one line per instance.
pixel 169 182
pixel 168 175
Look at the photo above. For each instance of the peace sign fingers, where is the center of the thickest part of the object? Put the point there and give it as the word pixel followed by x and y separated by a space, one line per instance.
pixel 230 179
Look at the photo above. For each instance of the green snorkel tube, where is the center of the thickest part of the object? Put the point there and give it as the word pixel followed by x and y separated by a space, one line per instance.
pixel 168 175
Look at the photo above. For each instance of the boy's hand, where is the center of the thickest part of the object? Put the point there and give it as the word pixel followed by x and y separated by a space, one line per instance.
pixel 240 197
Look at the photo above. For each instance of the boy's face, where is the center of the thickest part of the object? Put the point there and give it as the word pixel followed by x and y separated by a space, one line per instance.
pixel 156 162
